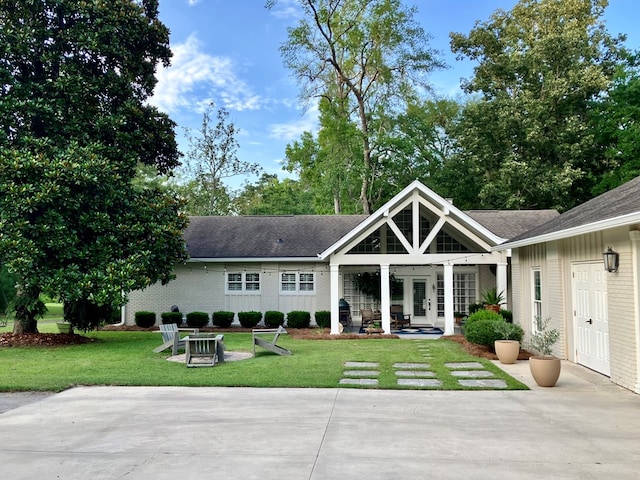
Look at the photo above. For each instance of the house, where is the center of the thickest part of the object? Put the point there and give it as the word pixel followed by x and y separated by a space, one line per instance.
pixel 438 258
pixel 558 272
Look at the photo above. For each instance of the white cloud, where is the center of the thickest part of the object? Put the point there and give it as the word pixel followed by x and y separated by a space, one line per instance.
pixel 292 130
pixel 192 2
pixel 194 75
pixel 286 9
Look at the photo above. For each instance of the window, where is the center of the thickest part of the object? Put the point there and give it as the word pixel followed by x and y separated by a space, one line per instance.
pixel 300 283
pixel 464 292
pixel 536 296
pixel 243 283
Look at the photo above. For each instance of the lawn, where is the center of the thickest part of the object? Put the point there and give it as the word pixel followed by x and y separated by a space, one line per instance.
pixel 127 358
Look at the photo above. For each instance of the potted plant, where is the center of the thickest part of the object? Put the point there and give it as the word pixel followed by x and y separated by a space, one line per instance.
pixel 507 348
pixel 492 299
pixel 458 317
pixel 374 327
pixel 545 368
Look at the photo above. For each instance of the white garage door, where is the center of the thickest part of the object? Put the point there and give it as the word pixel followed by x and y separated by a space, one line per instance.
pixel 590 316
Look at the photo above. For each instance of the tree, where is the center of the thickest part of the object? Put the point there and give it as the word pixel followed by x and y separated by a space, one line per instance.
pixel 271 196
pixel 525 140
pixel 74 79
pixel 371 53
pixel 211 159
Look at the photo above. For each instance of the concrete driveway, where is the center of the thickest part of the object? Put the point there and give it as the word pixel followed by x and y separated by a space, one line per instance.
pixel 584 428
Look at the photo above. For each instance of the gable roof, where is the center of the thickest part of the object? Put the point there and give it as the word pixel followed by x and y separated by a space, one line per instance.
pixel 617 207
pixel 253 237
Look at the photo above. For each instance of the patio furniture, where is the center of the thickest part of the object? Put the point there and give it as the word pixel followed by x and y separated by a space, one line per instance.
pixel 204 349
pixel 399 318
pixel 269 344
pixel 171 337
pixel 368 316
pixel 344 313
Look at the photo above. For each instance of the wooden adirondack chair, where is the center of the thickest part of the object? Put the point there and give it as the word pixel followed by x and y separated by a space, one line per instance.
pixel 269 344
pixel 171 338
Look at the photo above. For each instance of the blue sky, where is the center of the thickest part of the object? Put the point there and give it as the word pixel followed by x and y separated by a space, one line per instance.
pixel 227 52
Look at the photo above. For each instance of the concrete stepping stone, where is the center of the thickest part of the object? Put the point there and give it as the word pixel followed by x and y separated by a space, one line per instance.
pixel 419 382
pixel 483 383
pixel 472 373
pixel 411 365
pixel 415 373
pixel 456 365
pixel 358 381
pixel 361 364
pixel 361 373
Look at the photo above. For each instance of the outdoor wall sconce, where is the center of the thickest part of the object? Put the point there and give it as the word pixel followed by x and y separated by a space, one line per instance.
pixel 611 260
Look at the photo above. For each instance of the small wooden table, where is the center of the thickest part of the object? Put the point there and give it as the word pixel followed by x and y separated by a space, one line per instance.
pixel 204 349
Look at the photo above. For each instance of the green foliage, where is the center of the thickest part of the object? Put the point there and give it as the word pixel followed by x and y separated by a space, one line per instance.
pixel 270 196
pixel 7 289
pixel 323 318
pixel 508 331
pixel 75 124
pixel 171 317
pixel 85 315
pixel 249 319
pixel 492 297
pixel 507 315
pixel 197 319
pixel 544 338
pixel 222 319
pixel 211 158
pixel 145 319
pixel 351 53
pixel 540 65
pixel 273 318
pixel 474 307
pixel 484 327
pixel 298 319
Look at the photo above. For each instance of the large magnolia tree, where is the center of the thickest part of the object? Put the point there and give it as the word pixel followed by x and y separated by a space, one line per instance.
pixel 74 80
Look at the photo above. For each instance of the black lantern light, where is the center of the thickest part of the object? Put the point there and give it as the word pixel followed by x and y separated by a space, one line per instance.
pixel 611 260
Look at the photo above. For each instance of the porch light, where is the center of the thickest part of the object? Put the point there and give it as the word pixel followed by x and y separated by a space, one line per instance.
pixel 611 260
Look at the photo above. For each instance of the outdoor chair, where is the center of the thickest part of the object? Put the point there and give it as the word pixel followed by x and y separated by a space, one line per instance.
pixel 171 338
pixel 204 349
pixel 269 344
pixel 399 318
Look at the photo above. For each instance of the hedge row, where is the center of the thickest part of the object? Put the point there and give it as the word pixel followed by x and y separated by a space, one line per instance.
pixel 223 319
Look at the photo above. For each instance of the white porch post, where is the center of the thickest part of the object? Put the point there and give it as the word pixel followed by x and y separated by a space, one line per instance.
pixel 448 299
pixel 385 298
pixel 335 298
pixel 502 285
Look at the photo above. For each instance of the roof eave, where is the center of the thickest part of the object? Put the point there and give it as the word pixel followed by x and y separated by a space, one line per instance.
pixel 252 259
pixel 620 221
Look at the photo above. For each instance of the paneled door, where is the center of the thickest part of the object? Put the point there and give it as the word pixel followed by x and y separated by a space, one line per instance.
pixel 589 285
pixel 423 305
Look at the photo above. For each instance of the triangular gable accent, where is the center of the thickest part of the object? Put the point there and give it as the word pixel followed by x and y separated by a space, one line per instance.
pixel 416 194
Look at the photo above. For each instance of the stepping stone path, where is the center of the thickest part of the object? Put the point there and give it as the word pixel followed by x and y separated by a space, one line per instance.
pixel 418 374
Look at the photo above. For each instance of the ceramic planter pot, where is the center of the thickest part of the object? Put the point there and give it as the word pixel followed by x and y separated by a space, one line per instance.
pixel 545 370
pixel 507 350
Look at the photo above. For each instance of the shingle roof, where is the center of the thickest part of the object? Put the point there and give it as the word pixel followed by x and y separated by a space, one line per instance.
pixel 618 202
pixel 266 236
pixel 509 223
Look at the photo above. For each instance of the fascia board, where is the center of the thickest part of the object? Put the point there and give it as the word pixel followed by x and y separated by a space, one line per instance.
pixel 621 221
pixel 256 259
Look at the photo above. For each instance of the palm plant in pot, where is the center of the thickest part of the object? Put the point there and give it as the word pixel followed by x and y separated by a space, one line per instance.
pixel 507 348
pixel 545 368
pixel 492 299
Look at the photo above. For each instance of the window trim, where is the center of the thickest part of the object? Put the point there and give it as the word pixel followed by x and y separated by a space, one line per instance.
pixel 297 281
pixel 244 282
pixel 536 303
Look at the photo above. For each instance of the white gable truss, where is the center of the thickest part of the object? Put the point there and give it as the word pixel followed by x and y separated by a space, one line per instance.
pixel 414 243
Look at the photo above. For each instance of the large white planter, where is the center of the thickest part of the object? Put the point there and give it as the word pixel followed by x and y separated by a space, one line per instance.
pixel 545 370
pixel 507 350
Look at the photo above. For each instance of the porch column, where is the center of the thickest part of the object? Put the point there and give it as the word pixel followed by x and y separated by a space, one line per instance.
pixel 385 298
pixel 448 299
pixel 334 281
pixel 502 285
pixel 634 236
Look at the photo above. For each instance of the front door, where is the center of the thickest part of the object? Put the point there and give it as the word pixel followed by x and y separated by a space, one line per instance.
pixel 590 316
pixel 422 303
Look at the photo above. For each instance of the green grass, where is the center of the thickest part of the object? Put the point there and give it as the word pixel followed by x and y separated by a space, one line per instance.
pixel 127 358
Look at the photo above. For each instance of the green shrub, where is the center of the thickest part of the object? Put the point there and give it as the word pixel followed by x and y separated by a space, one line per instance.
pixel 483 314
pixel 298 319
pixel 273 318
pixel 323 319
pixel 485 327
pixel 222 319
pixel 507 315
pixel 171 317
pixel 145 319
pixel 249 319
pixel 475 307
pixel 197 319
